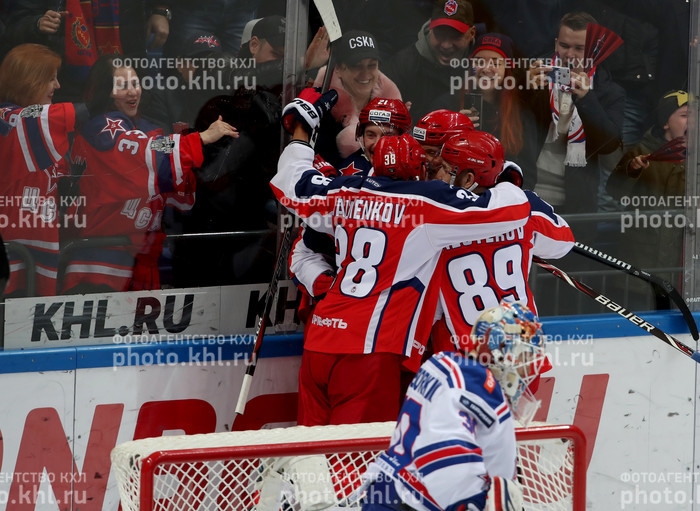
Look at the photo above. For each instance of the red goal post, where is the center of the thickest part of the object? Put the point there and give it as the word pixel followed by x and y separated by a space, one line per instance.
pixel 311 469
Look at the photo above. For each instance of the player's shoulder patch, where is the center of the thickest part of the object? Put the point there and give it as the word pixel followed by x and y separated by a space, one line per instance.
pixel 32 111
pixel 489 382
pixel 162 145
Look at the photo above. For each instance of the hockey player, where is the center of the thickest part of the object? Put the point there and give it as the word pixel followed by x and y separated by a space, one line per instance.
pixel 454 444
pixel 380 117
pixel 130 174
pixel 476 275
pixel 388 232
pixel 310 261
pixel 34 139
pixel 433 130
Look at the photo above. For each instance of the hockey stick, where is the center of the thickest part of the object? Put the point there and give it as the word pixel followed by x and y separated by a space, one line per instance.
pixel 614 307
pixel 613 262
pixel 280 265
pixel 330 20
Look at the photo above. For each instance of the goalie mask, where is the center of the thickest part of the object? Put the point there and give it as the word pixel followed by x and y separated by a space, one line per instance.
pixel 399 158
pixel 508 339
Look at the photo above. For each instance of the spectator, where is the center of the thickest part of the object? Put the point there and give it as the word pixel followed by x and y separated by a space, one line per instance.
pixel 495 104
pixel 583 122
pixel 233 195
pixel 357 79
pixel 424 71
pixel 638 175
pixel 225 18
pixel 174 101
pixel 130 173
pixel 80 32
pixel 34 139
pixel 383 264
pixel 454 445
pixel 266 48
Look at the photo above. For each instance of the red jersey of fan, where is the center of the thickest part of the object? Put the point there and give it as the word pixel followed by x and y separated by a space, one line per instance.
pixel 388 237
pixel 477 275
pixel 129 177
pixel 33 143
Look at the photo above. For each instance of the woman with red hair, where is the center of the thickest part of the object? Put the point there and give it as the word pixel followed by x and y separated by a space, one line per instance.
pixel 34 138
pixel 500 111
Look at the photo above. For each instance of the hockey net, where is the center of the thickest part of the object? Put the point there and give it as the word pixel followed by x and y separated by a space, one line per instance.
pixel 310 469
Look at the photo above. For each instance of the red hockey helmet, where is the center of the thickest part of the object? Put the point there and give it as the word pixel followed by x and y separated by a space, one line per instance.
pixel 384 111
pixel 436 127
pixel 478 152
pixel 399 157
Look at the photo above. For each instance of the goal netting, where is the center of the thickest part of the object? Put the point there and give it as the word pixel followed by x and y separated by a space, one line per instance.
pixel 312 469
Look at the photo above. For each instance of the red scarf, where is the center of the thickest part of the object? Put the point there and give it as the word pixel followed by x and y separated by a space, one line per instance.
pixel 91 31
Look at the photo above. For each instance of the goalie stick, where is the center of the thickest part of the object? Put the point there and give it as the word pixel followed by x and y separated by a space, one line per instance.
pixel 330 20
pixel 614 262
pixel 622 311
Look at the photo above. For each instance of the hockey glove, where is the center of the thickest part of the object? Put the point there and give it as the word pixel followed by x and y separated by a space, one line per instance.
pixel 324 167
pixel 322 284
pixel 308 109
pixel 512 173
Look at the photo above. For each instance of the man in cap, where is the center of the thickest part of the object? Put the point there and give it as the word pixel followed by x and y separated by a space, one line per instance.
pixel 425 70
pixel 173 101
pixel 358 80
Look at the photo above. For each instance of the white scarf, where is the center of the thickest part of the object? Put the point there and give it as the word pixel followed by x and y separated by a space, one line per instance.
pixel 566 120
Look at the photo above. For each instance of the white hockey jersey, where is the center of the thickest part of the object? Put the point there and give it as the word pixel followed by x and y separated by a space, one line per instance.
pixel 454 430
pixel 388 236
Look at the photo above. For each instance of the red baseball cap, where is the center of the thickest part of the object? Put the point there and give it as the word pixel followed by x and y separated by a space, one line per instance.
pixel 457 14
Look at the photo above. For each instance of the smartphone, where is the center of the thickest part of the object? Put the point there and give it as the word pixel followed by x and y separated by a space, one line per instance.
pixel 560 75
pixel 475 101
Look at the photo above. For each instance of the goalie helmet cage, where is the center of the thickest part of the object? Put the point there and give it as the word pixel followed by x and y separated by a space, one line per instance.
pixel 310 469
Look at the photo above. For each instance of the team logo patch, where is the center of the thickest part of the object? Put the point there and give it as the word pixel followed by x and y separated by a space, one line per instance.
pixel 113 127
pixel 490 383
pixel 491 41
pixel 80 34
pixel 379 116
pixel 162 145
pixel 31 111
pixel 209 40
pixel 451 7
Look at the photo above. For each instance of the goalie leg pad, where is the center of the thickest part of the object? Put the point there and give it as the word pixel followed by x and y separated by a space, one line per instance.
pixel 313 482
pixel 504 495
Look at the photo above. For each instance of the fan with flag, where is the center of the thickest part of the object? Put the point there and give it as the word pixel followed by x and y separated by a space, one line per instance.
pixel 674 151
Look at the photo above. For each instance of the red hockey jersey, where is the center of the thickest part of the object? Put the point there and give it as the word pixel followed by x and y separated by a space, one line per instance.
pixel 129 177
pixel 477 275
pixel 388 237
pixel 33 143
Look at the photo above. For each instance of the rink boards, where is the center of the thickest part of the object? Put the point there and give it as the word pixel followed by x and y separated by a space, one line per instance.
pixel 66 403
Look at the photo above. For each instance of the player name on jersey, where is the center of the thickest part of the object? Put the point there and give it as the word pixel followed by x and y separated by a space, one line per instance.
pixel 515 234
pixel 370 210
pixel 425 384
